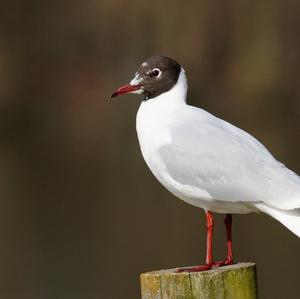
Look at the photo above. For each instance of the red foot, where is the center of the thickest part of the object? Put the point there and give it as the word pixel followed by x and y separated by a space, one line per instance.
pixel 194 269
pixel 228 261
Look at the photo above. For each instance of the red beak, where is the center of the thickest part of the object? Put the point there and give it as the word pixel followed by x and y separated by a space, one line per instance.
pixel 127 88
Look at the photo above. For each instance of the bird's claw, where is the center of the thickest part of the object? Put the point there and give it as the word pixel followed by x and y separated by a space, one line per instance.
pixel 226 262
pixel 194 268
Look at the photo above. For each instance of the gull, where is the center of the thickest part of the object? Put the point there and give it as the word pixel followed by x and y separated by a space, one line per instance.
pixel 204 160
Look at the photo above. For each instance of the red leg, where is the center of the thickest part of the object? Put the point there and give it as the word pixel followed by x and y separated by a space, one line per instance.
pixel 229 258
pixel 209 257
pixel 209 237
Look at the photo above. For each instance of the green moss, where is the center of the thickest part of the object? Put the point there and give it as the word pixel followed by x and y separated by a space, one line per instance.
pixel 231 282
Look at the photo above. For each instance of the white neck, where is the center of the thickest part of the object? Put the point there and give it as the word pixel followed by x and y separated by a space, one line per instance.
pixel 176 95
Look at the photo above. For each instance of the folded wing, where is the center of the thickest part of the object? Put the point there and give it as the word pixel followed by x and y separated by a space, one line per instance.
pixel 228 163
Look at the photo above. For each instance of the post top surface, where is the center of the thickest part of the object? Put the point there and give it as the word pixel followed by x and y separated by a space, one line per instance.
pixel 211 271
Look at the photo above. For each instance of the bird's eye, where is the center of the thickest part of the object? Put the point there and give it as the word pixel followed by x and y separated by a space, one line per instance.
pixel 155 72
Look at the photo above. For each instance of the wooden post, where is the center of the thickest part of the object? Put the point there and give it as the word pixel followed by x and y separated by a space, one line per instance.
pixel 230 282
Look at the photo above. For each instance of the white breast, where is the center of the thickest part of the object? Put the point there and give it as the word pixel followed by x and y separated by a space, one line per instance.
pixel 154 120
pixel 153 128
pixel 156 115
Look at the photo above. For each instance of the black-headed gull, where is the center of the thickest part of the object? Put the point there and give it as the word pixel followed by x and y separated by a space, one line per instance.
pixel 205 160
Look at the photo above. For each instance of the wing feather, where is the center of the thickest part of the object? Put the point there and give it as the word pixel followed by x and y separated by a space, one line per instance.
pixel 228 163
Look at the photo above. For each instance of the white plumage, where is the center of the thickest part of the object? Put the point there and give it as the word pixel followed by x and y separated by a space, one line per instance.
pixel 212 164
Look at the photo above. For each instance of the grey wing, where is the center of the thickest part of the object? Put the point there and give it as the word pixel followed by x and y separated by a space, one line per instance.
pixel 229 164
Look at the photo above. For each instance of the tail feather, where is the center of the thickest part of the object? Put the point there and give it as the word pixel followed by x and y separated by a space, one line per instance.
pixel 289 218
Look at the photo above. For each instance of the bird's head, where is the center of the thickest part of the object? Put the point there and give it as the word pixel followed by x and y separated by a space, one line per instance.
pixel 156 75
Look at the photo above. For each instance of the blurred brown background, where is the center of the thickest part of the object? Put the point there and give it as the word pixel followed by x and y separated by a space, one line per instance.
pixel 80 214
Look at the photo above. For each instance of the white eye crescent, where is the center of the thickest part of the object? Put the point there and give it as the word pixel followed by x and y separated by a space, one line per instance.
pixel 156 72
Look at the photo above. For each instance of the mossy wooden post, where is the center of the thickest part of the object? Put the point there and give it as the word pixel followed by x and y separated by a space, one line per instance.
pixel 231 282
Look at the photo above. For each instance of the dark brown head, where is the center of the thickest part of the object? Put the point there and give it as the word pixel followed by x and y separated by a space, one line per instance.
pixel 155 76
